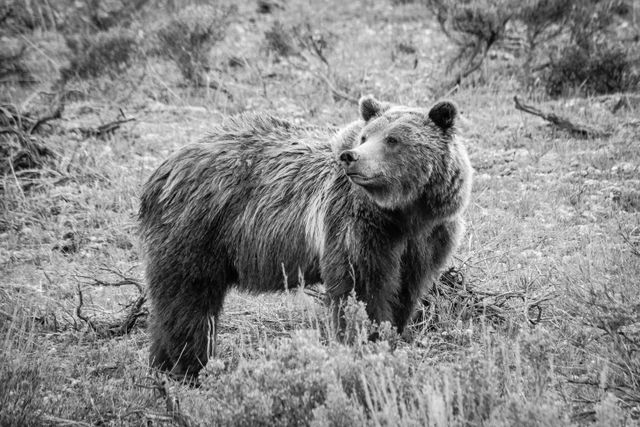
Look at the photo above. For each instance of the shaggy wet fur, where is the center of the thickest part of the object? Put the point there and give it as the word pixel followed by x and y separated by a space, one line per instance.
pixel 260 197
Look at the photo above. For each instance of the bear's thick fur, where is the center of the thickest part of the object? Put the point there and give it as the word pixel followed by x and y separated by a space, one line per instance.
pixel 374 207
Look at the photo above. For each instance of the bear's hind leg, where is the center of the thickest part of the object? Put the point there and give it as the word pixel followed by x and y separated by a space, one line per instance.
pixel 184 332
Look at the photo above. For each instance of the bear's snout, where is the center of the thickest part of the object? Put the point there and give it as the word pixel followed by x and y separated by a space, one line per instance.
pixel 348 157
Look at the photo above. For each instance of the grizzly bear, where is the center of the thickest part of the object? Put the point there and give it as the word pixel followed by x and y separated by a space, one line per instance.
pixel 374 207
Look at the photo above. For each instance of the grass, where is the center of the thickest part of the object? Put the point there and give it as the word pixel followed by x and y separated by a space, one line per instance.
pixel 550 215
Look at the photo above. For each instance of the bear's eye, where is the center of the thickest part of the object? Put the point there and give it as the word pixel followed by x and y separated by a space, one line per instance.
pixel 363 138
pixel 392 140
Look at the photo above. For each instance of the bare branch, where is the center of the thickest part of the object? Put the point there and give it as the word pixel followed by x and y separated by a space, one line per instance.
pixel 561 122
pixel 103 130
pixel 136 309
pixel 56 114
pixel 79 311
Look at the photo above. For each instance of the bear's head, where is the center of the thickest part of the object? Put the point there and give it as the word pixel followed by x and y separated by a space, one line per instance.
pixel 402 151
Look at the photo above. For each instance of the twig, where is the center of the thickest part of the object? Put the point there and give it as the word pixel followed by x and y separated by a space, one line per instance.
pixel 125 281
pixel 561 122
pixel 136 309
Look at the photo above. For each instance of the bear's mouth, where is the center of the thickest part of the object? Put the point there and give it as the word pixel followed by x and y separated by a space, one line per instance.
pixel 362 180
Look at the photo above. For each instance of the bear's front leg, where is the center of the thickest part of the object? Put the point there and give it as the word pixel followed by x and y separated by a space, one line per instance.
pixel 376 281
pixel 422 262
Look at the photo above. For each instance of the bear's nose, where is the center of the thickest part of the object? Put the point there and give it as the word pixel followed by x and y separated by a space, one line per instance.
pixel 348 157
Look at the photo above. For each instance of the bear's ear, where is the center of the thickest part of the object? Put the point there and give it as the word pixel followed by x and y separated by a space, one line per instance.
pixel 370 107
pixel 444 114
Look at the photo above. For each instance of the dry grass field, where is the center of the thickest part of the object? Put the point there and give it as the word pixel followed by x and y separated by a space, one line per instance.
pixel 542 327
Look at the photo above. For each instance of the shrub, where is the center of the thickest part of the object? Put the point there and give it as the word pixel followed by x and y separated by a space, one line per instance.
pixel 108 52
pixel 598 70
pixel 338 410
pixel 594 59
pixel 280 40
pixel 13 67
pixel 20 393
pixel 187 38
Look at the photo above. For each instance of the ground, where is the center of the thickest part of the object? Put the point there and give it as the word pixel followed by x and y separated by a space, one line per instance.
pixel 552 217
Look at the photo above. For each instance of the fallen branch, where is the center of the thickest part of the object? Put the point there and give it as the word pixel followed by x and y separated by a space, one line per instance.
pixel 24 121
pixel 135 310
pixel 56 114
pixel 451 297
pixel 561 122
pixel 102 130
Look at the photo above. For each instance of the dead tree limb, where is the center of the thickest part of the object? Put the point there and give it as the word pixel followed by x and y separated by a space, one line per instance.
pixel 56 114
pixel 135 310
pixel 102 130
pixel 580 130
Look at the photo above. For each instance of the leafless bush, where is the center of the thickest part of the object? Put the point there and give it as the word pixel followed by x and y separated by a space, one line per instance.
pixel 474 27
pixel 589 55
pixel 108 52
pixel 20 146
pixel 18 17
pixel 298 40
pixel 100 15
pixel 187 38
